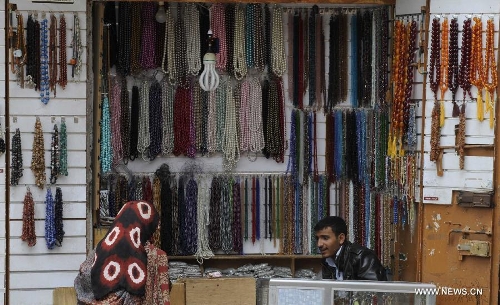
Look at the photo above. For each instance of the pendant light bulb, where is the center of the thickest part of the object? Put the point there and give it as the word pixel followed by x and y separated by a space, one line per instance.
pixel 209 79
pixel 161 16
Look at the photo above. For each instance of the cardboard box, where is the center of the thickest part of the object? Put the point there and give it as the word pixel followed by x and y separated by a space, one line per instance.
pixel 205 291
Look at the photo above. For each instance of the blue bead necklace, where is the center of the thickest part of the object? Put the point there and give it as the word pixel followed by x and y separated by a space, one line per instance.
pixel 44 64
pixel 50 231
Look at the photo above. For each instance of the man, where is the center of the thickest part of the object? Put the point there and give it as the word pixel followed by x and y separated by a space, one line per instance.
pixel 343 260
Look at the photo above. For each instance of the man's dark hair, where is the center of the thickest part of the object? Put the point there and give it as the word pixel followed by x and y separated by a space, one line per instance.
pixel 337 224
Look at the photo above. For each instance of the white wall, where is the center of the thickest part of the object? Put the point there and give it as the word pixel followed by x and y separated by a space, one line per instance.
pixel 36 271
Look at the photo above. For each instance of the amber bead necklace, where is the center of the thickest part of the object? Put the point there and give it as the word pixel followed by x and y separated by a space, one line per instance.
pixel 443 81
pixel 477 75
pixel 490 70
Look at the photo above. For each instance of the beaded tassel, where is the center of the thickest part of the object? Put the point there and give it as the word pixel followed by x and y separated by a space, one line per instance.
pixel 28 234
pixel 50 231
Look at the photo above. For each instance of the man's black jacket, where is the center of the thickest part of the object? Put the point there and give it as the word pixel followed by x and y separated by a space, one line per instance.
pixel 357 263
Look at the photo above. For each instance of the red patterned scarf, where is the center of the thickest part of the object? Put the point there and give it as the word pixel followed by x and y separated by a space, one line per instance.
pixel 120 260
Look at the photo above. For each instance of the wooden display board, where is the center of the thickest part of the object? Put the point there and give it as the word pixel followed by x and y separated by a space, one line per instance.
pixel 205 291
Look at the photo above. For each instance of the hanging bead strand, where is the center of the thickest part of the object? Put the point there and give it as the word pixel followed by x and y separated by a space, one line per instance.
pixel 76 45
pixel 20 56
pixel 477 76
pixel 239 60
pixel 63 66
pixel 17 159
pixel 106 153
pixel 230 149
pixel 63 146
pixel 53 54
pixel 54 155
pixel 50 230
pixel 171 47
pixel 192 30
pixel 58 219
pixel 44 63
pixel 155 120
pixel 116 109
pixel 443 81
pixel 168 95
pixel 148 38
pixel 28 232
pixel 38 156
pixel 453 64
pixel 143 138
pixel 278 56
pixel 465 59
pixel 490 73
pixel 218 26
pixel 434 75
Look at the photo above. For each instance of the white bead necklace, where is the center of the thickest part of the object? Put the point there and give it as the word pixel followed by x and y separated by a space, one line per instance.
pixel 192 30
pixel 168 95
pixel 170 32
pixel 212 121
pixel 244 116
pixel 278 56
pixel 239 56
pixel 203 251
pixel 256 129
pixel 230 150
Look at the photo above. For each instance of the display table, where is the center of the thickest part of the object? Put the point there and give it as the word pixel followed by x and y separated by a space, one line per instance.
pixel 327 292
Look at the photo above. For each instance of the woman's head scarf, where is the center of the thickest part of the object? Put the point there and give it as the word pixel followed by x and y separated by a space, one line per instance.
pixel 120 258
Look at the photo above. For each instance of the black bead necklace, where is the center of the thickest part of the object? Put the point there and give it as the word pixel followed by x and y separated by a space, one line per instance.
pixel 155 120
pixel 17 159
pixel 124 38
pixel 54 155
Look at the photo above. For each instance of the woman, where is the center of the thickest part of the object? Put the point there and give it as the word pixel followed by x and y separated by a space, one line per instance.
pixel 124 268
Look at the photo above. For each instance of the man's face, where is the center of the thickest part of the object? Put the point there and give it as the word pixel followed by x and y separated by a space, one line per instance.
pixel 328 244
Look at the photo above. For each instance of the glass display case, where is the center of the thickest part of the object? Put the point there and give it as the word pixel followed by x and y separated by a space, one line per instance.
pixel 328 292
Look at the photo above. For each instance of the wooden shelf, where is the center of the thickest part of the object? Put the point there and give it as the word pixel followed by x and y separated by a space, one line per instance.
pixel 249 256
pixel 294 262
